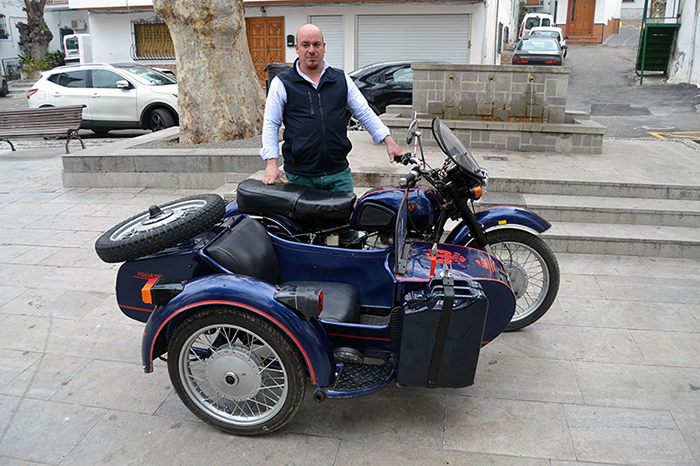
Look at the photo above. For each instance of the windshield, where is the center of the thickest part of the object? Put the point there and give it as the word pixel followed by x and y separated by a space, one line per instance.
pixel 454 149
pixel 148 76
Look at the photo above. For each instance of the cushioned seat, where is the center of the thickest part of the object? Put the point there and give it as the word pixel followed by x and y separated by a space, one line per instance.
pixel 247 249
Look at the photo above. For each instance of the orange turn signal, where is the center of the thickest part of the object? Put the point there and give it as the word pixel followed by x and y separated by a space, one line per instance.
pixel 146 296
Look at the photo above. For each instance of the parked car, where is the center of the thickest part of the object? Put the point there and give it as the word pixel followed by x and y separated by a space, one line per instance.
pixel 4 90
pixel 538 50
pixel 534 20
pixel 383 84
pixel 551 31
pixel 118 96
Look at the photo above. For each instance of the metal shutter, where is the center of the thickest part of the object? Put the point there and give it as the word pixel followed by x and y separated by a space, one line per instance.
pixel 332 28
pixel 413 37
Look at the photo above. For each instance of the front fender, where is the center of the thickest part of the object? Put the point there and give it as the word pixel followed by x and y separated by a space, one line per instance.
pixel 255 296
pixel 499 216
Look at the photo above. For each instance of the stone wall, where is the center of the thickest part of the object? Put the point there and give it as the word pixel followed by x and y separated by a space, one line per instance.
pixel 491 92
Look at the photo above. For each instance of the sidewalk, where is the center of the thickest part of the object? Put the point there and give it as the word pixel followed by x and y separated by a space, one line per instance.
pixel 611 375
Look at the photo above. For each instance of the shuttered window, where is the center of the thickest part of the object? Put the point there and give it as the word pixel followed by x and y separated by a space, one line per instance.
pixel 152 41
pixel 333 36
pixel 413 37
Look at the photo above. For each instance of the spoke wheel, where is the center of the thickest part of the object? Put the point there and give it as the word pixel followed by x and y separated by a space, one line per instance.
pixel 236 371
pixel 160 227
pixel 533 272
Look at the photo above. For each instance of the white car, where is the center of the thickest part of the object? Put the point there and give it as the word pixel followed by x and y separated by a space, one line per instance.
pixel 118 96
pixel 552 31
pixel 535 20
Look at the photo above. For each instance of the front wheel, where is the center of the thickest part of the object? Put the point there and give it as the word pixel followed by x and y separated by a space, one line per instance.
pixel 533 272
pixel 161 119
pixel 236 371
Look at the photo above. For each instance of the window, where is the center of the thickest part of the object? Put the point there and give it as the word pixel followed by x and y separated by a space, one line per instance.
pixel 105 79
pixel 3 27
pixel 402 75
pixel 73 79
pixel 152 40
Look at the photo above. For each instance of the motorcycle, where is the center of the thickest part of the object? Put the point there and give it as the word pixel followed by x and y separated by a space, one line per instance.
pixel 510 233
pixel 244 317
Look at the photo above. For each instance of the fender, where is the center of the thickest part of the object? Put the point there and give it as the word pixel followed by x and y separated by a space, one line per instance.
pixel 497 217
pixel 252 295
pixel 232 210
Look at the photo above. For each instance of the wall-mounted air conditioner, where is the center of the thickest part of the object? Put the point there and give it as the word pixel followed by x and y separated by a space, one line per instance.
pixel 78 25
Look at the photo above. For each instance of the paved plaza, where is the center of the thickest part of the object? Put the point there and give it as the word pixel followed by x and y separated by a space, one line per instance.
pixel 611 375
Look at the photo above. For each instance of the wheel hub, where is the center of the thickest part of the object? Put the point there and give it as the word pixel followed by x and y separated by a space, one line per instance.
pixel 518 278
pixel 234 373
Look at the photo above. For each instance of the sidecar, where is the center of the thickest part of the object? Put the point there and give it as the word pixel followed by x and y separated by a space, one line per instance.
pixel 244 318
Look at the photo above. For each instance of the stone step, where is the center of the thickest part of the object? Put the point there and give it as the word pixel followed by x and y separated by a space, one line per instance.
pixel 632 240
pixel 601 209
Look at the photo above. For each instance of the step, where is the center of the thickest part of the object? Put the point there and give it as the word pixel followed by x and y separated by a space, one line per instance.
pixel 616 239
pixel 593 209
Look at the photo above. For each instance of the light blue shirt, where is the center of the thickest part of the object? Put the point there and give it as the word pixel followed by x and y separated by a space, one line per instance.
pixel 277 99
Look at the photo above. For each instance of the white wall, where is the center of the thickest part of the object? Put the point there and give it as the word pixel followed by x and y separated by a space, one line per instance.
pixel 685 62
pixel 13 15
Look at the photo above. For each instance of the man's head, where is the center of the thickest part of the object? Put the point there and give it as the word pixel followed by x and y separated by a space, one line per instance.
pixel 310 47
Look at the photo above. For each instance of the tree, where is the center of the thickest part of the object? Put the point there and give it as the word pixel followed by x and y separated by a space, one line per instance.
pixel 219 94
pixel 34 35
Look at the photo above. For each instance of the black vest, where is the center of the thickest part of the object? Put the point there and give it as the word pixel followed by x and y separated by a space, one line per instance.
pixel 315 124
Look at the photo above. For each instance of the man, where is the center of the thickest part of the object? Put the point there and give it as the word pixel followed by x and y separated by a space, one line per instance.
pixel 311 99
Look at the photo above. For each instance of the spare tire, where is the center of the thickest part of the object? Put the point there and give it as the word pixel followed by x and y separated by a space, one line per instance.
pixel 160 227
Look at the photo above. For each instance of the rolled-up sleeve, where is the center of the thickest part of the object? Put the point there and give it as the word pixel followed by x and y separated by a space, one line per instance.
pixel 360 108
pixel 274 108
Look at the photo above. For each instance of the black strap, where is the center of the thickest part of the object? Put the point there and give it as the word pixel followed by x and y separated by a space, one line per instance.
pixel 443 326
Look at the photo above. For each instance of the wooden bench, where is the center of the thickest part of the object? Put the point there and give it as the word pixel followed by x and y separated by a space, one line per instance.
pixel 41 123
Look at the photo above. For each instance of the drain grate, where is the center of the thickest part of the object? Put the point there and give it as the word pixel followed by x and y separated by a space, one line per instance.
pixel 496 158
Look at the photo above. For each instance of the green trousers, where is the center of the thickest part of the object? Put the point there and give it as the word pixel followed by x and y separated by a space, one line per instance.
pixel 340 182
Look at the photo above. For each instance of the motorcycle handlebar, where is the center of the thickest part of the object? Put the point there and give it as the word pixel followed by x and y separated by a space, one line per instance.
pixel 404 159
pixel 409 180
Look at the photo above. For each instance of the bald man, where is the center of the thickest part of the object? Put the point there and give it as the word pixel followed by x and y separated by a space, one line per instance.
pixel 311 99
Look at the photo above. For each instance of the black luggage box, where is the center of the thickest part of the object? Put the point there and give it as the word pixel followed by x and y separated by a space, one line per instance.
pixel 420 317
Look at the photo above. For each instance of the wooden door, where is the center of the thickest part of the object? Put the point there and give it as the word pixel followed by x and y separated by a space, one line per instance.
pixel 581 14
pixel 266 42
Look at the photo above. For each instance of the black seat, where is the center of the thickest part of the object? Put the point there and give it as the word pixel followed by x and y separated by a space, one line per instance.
pixel 294 201
pixel 247 249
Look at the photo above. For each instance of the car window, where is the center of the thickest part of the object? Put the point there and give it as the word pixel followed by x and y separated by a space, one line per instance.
pixel 402 75
pixel 538 45
pixel 105 79
pixel 76 78
pixel 554 34
pixel 546 22
pixel 148 76
pixel 54 78
pixel 532 23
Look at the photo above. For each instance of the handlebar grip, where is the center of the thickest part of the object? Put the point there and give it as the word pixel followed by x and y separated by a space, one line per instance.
pixel 408 180
pixel 404 158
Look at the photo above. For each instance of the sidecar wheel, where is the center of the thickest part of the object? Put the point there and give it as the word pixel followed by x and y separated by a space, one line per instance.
pixel 533 271
pixel 236 371
pixel 160 228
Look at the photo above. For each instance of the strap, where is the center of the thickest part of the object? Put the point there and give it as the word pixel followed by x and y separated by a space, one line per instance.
pixel 443 326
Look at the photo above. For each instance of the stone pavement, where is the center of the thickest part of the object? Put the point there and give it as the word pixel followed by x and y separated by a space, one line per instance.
pixel 611 375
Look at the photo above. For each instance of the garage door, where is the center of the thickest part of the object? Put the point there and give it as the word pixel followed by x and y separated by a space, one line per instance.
pixel 332 28
pixel 413 37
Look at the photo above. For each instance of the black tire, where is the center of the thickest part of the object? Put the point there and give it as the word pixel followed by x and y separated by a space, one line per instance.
pixel 236 371
pixel 533 270
pixel 160 227
pixel 161 119
pixel 4 90
pixel 100 131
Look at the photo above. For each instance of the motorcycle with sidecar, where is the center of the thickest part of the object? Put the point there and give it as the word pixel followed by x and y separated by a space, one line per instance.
pixel 244 316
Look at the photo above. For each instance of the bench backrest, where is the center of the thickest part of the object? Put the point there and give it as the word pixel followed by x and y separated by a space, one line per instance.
pixel 69 117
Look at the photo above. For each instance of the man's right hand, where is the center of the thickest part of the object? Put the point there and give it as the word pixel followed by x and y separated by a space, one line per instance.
pixel 273 173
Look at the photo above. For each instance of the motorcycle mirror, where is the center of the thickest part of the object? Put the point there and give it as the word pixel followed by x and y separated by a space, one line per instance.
pixel 412 130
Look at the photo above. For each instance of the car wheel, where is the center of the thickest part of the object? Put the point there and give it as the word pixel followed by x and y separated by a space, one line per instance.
pixel 353 123
pixel 161 119
pixel 236 371
pixel 4 90
pixel 101 132
pixel 160 228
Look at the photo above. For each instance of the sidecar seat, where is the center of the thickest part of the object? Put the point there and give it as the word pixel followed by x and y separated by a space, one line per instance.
pixel 247 249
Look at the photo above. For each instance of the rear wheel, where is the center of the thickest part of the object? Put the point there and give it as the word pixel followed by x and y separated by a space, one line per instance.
pixel 236 371
pixel 533 272
pixel 161 119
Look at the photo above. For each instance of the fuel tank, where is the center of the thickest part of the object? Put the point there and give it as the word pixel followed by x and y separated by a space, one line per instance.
pixel 376 210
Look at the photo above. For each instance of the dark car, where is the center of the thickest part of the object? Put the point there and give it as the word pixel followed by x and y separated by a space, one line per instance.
pixel 4 90
pixel 538 50
pixel 383 84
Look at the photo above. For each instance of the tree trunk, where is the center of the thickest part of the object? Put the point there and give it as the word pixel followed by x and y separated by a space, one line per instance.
pixel 34 35
pixel 219 94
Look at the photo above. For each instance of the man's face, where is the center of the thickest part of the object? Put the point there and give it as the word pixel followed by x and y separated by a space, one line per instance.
pixel 310 48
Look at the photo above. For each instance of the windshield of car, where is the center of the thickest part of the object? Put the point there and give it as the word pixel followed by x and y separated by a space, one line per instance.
pixel 544 44
pixel 554 34
pixel 451 145
pixel 148 76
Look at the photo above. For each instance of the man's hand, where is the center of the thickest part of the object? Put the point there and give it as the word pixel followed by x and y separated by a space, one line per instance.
pixel 273 173
pixel 392 148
